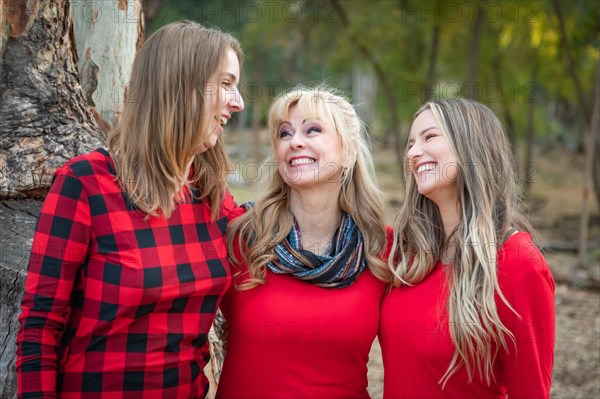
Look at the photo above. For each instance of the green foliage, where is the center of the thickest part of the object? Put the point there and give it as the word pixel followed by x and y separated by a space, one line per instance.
pixel 304 41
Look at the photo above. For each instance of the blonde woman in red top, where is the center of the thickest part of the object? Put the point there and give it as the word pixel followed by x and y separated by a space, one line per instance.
pixel 304 309
pixel 472 313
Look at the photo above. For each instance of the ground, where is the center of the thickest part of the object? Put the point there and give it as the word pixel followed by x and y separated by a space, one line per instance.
pixel 555 205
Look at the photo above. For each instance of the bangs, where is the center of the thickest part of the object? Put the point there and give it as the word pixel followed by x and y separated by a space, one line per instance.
pixel 311 104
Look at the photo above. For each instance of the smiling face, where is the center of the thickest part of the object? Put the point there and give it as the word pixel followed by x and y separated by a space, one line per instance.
pixel 222 99
pixel 308 151
pixel 431 160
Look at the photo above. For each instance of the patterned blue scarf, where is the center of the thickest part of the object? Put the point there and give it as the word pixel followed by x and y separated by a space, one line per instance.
pixel 337 269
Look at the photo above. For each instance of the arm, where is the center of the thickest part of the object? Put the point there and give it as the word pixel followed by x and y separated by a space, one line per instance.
pixel 528 363
pixel 60 246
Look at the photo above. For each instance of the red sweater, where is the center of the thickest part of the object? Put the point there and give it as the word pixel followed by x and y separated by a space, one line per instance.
pixel 291 339
pixel 417 348
pixel 117 306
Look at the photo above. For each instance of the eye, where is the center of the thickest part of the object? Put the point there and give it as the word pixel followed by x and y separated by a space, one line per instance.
pixel 313 129
pixel 429 136
pixel 284 133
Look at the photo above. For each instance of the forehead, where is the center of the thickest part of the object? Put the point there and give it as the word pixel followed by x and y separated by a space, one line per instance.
pixel 306 107
pixel 232 63
pixel 424 120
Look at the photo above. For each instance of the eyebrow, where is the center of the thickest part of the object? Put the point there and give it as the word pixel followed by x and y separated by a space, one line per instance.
pixel 422 132
pixel 231 76
pixel 282 122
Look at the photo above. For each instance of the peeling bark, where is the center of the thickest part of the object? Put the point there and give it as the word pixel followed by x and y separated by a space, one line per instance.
pixel 43 118
pixel 107 35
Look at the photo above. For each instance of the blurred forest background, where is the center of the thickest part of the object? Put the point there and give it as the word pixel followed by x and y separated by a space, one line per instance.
pixel 64 67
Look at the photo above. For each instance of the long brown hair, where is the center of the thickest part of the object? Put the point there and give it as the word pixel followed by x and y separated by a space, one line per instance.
pixel 163 123
pixel 489 201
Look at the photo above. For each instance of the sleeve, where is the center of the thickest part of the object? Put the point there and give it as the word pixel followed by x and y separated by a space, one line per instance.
pixel 60 246
pixel 527 364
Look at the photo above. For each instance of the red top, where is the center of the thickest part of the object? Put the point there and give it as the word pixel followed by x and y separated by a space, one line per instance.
pixel 417 348
pixel 116 306
pixel 291 339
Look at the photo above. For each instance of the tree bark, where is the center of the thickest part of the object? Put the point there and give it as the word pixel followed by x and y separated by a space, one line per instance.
pixel 104 72
pixel 18 220
pixel 43 118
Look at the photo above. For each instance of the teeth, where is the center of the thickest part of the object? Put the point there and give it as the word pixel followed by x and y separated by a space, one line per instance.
pixel 222 120
pixel 427 166
pixel 300 161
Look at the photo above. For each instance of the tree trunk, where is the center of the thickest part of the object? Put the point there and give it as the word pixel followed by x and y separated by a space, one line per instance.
pixel 476 27
pixel 571 64
pixel 364 93
pixel 592 139
pixel 104 72
pixel 151 9
pixel 18 220
pixel 43 118
pixel 44 121
pixel 388 90
pixel 508 118
pixel 433 55
pixel 528 164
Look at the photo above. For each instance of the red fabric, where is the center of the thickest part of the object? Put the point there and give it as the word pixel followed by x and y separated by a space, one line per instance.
pixel 291 339
pixel 416 345
pixel 116 306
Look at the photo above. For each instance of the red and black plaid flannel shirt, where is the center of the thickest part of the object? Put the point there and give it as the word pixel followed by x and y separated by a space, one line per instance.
pixel 116 306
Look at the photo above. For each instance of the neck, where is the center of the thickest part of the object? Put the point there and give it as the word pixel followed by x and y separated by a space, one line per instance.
pixel 450 213
pixel 318 215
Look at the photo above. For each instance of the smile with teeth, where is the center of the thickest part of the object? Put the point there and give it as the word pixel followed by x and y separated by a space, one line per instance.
pixel 222 120
pixel 425 167
pixel 302 161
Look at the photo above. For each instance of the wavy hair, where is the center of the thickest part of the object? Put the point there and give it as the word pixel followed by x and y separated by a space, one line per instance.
pixel 269 222
pixel 489 204
pixel 163 123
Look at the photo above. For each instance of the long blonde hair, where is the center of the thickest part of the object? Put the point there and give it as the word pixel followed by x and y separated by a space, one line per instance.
pixel 163 123
pixel 489 202
pixel 268 223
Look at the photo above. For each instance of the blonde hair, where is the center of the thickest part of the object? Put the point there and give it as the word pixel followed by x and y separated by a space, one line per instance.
pixel 489 201
pixel 163 123
pixel 268 223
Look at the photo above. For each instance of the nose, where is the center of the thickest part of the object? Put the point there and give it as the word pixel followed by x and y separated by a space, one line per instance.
pixel 297 141
pixel 236 102
pixel 414 152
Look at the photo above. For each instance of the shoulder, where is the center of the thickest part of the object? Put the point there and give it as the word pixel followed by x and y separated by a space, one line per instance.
pixel 97 162
pixel 520 261
pixel 236 211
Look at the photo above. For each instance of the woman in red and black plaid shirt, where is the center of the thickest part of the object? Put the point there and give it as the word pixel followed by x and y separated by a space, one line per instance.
pixel 129 262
